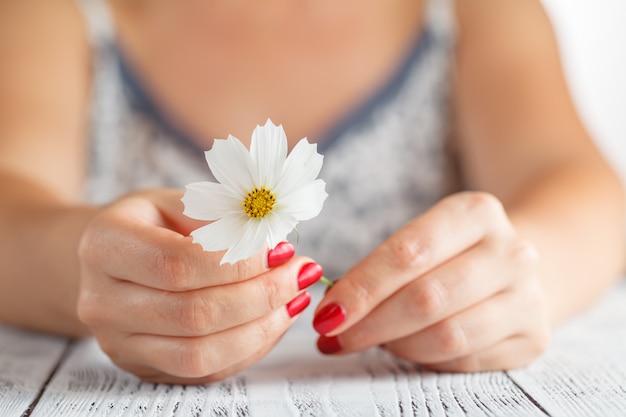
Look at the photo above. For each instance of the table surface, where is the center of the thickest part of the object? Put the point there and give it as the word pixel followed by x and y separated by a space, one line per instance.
pixel 583 373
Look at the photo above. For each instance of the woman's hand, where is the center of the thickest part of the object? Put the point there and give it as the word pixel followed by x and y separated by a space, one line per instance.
pixel 164 309
pixel 456 289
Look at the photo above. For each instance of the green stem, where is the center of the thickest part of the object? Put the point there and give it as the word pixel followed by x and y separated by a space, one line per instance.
pixel 326 281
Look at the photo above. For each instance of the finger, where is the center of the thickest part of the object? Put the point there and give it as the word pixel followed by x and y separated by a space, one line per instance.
pixel 454 286
pixel 469 332
pixel 149 374
pixel 156 256
pixel 198 312
pixel 169 210
pixel 514 352
pixel 200 357
pixel 452 226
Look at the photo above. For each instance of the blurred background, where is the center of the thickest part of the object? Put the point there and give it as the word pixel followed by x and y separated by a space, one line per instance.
pixel 592 37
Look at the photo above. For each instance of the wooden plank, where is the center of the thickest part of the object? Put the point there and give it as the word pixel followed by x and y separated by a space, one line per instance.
pixel 584 371
pixel 26 362
pixel 583 374
pixel 372 383
pixel 293 380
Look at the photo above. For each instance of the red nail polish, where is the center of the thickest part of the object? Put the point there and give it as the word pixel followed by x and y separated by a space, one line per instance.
pixel 298 304
pixel 309 274
pixel 328 345
pixel 328 318
pixel 280 254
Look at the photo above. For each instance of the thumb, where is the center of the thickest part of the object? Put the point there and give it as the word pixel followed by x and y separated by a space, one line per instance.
pixel 169 210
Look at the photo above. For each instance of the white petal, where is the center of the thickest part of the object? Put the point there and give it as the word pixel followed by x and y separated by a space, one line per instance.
pixel 209 201
pixel 222 233
pixel 305 154
pixel 231 164
pixel 252 241
pixel 279 225
pixel 302 166
pixel 305 202
pixel 268 149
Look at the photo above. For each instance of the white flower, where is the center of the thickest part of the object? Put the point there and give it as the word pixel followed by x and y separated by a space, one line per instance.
pixel 261 195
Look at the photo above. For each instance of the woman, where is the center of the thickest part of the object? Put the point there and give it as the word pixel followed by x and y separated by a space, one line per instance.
pixel 412 103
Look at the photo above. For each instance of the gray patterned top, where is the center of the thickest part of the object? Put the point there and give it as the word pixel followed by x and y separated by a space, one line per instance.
pixel 383 165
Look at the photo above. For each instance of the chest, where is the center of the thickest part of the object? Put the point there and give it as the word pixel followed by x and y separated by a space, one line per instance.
pixel 222 69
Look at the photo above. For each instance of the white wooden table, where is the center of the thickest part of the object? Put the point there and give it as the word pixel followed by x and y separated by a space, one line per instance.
pixel 582 374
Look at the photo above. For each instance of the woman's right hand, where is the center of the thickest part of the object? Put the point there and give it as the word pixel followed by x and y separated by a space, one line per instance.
pixel 165 310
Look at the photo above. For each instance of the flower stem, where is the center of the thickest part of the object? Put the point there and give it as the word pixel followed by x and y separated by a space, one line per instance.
pixel 326 281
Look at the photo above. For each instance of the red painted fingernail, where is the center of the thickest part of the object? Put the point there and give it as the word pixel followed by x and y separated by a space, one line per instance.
pixel 328 345
pixel 280 254
pixel 295 306
pixel 328 318
pixel 309 274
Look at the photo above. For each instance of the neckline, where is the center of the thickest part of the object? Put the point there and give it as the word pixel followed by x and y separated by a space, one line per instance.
pixel 389 90
pixel 142 100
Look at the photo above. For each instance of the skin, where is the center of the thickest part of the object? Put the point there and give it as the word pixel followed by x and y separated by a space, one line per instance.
pixel 484 279
pixel 474 284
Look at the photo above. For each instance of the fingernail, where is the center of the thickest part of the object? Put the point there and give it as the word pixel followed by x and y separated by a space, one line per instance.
pixel 328 345
pixel 329 318
pixel 295 306
pixel 309 274
pixel 280 254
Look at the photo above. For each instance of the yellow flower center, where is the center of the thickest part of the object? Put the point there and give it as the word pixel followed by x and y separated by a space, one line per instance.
pixel 258 202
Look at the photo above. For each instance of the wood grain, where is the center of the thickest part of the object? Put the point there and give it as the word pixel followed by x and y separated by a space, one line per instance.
pixel 293 380
pixel 584 371
pixel 372 383
pixel 26 362
pixel 583 374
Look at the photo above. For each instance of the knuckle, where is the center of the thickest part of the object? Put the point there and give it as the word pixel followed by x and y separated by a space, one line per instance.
pixel 488 207
pixel 467 364
pixel 195 359
pixel 538 302
pixel 88 310
pixel 88 245
pixel 428 300
pixel 241 270
pixel 407 254
pixel 172 269
pixel 363 292
pixel 195 315
pixel 450 337
pixel 541 340
pixel 269 330
pixel 540 333
pixel 84 246
pixel 92 307
pixel 250 266
pixel 531 296
pixel 110 348
pixel 484 202
pixel 531 346
pixel 272 292
pixel 525 254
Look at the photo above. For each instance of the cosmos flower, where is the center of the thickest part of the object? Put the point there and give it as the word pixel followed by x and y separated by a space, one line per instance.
pixel 260 196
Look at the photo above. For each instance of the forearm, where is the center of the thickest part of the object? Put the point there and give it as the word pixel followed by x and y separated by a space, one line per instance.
pixel 574 214
pixel 39 277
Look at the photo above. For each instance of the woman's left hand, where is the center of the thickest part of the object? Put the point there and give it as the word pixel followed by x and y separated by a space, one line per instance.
pixel 456 289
